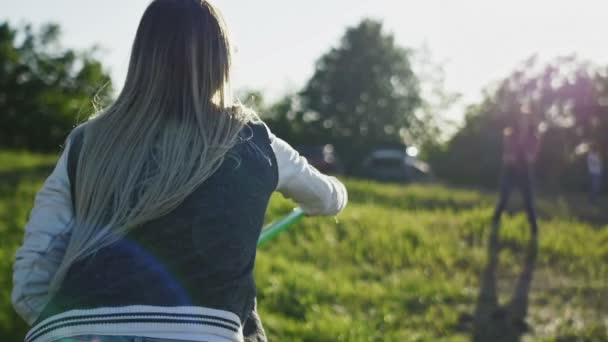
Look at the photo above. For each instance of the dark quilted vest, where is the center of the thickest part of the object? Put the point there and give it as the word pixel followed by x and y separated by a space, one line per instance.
pixel 200 254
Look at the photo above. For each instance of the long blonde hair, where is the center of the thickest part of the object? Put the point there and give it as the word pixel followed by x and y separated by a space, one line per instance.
pixel 167 132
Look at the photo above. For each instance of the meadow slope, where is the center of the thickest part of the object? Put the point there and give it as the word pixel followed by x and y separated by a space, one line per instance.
pixel 402 263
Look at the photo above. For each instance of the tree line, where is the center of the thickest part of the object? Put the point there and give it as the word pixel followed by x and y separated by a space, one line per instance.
pixel 365 91
pixel 45 89
pixel 568 98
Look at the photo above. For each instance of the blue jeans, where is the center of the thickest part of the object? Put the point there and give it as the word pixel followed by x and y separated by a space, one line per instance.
pixel 596 186
pixel 521 178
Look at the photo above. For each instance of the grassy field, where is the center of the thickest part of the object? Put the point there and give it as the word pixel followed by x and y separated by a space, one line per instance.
pixel 402 263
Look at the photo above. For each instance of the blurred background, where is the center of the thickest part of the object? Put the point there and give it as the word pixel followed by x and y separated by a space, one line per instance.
pixel 405 100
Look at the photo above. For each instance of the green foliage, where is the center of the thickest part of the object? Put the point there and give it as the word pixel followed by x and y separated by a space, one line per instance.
pixel 45 90
pixel 402 263
pixel 365 92
pixel 362 92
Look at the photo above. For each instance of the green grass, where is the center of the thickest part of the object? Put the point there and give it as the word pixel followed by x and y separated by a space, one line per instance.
pixel 23 160
pixel 402 263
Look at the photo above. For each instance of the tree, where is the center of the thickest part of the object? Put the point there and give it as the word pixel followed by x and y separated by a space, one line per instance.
pixel 435 124
pixel 362 93
pixel 569 97
pixel 45 90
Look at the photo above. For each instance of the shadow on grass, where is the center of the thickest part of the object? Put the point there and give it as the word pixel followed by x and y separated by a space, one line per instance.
pixel 492 321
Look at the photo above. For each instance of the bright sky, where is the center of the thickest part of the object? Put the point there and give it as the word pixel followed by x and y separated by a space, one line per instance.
pixel 278 41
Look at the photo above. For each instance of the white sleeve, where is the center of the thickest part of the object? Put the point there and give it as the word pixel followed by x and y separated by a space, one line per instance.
pixel 314 192
pixel 46 236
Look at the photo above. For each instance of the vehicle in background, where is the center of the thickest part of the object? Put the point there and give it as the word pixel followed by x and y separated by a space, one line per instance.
pixel 393 164
pixel 322 157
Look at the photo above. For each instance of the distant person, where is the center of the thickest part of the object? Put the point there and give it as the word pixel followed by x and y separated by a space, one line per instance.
pixel 147 228
pixel 595 168
pixel 521 144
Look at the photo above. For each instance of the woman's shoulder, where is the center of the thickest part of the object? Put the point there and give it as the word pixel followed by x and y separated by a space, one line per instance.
pixel 77 134
pixel 257 129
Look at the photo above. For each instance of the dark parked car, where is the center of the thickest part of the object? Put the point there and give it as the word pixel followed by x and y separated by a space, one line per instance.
pixel 394 165
pixel 322 157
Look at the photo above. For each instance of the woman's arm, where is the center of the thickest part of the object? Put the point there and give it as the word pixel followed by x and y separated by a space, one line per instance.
pixel 46 236
pixel 314 192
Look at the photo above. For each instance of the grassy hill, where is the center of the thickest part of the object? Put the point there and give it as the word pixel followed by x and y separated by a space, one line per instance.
pixel 402 263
